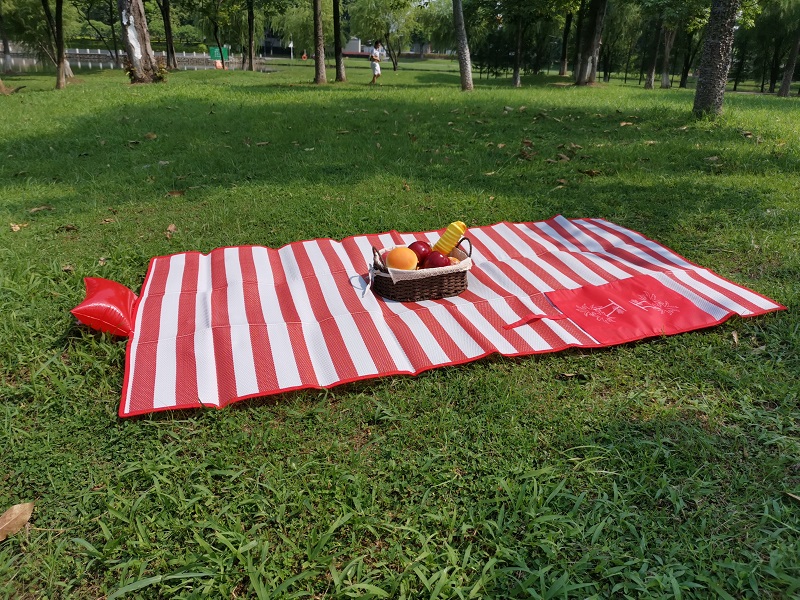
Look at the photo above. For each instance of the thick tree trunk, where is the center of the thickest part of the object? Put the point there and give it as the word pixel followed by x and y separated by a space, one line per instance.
pixel 650 77
pixel 462 47
pixel 788 72
pixel 562 67
pixel 590 41
pixel 716 60
pixel 251 35
pixel 516 79
pixel 142 61
pixel 669 40
pixel 164 7
pixel 320 76
pixel 337 41
pixel 578 40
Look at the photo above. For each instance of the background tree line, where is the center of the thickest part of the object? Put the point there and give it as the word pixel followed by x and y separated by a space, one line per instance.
pixel 658 43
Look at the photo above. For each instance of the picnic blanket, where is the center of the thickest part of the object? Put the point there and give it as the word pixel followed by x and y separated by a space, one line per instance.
pixel 241 322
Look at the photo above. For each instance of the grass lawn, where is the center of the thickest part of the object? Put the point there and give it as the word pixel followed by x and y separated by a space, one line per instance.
pixel 668 468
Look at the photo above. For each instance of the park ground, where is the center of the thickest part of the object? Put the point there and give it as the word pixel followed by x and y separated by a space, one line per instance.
pixel 668 468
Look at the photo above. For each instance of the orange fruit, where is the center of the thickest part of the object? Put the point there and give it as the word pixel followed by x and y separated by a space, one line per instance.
pixel 401 258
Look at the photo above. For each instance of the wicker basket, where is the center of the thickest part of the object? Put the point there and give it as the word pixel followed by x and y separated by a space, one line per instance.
pixel 422 284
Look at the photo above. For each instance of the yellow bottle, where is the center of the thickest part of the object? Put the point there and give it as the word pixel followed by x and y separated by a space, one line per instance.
pixel 450 237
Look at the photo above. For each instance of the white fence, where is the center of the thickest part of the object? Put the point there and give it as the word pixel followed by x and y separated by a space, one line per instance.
pixel 103 59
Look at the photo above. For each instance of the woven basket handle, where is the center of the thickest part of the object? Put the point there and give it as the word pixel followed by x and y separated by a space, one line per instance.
pixel 466 239
pixel 377 255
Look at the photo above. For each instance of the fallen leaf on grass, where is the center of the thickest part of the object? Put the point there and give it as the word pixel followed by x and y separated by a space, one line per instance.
pixel 501 145
pixel 527 142
pixel 107 220
pixel 508 109
pixel 563 181
pixel 591 172
pixel 262 143
pixel 163 163
pixel 41 208
pixel 625 123
pixel 406 187
pixel 490 173
pixel 308 149
pixel 563 158
pixel 735 336
pixel 14 519
pixel 712 159
pixel 68 269
pixel 17 226
pixel 102 261
pixel 378 145
pixel 150 135
pixel 176 193
pixel 747 134
pixel 170 230
pixel 342 132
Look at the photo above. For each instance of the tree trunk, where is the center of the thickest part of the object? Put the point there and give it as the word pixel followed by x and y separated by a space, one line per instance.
pixel 219 43
pixel 56 28
pixel 716 59
pixel 6 46
pixel 740 67
pixel 320 76
pixel 251 35
pixel 687 61
pixel 590 40
pixel 562 68
pixel 111 11
pixel 337 41
pixel 142 61
pixel 164 7
pixel 650 78
pixel 462 47
pixel 775 65
pixel 788 72
pixel 669 40
pixel 392 50
pixel 578 40
pixel 516 80
pixel 628 60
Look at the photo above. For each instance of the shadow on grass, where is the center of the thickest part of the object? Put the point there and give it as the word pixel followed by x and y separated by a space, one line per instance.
pixel 273 158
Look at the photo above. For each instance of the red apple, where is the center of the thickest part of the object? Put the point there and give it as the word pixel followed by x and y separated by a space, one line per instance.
pixel 421 249
pixel 436 259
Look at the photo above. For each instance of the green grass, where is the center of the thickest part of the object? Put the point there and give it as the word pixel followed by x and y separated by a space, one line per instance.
pixel 658 469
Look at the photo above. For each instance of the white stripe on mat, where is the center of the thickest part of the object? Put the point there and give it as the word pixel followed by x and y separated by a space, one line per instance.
pixel 166 367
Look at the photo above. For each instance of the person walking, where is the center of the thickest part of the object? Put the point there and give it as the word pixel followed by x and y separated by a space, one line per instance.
pixel 375 61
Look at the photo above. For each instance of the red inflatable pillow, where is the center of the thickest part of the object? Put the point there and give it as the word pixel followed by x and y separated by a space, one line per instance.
pixel 108 306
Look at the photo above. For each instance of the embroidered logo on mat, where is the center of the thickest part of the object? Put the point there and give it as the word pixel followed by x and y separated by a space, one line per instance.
pixel 649 301
pixel 604 314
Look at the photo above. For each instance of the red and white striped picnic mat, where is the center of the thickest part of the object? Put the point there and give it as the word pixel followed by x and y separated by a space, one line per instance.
pixel 250 321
